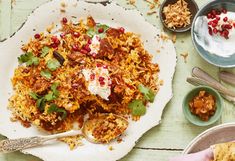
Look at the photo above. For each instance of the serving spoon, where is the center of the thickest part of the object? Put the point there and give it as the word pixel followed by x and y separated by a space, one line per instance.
pixel 11 145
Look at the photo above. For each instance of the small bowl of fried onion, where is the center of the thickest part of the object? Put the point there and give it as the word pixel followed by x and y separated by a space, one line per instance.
pixel 177 15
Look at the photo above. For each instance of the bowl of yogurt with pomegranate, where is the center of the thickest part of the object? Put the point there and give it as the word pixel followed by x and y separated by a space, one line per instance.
pixel 213 32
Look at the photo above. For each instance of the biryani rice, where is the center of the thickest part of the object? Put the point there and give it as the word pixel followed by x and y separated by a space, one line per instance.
pixel 124 56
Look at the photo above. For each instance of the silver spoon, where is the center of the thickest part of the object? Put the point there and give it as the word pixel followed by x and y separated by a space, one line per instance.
pixel 11 145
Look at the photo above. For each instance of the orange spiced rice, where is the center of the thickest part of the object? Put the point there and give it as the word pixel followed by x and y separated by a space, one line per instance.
pixel 84 69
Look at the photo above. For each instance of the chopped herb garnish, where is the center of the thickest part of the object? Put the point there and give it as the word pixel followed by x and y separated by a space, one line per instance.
pixel 45 50
pixel 137 108
pixel 103 26
pixel 46 74
pixel 50 96
pixel 54 108
pixel 41 103
pixel 29 59
pixel 94 31
pixel 54 89
pixel 53 64
pixel 53 94
pixel 91 32
pixel 148 93
pixel 34 95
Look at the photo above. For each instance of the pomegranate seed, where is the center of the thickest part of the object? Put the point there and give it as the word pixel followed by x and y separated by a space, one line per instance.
pixel 228 26
pixel 210 22
pixel 101 79
pixel 54 45
pixel 215 21
pixel 75 47
pixel 221 33
pixel 121 29
pixel 92 76
pixel 57 42
pixel 64 20
pixel 105 66
pixel 224 11
pixel 99 65
pixel 83 51
pixel 87 48
pixel 76 34
pixel 225 19
pixel 210 30
pixel 212 16
pixel 54 38
pixel 225 34
pixel 213 12
pixel 213 24
pixel 102 83
pixel 100 30
pixel 215 31
pixel 234 25
pixel 37 36
pixel 217 18
pixel 62 35
pixel 209 15
pixel 89 41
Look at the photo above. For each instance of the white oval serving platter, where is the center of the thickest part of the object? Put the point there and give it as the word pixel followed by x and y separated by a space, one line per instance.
pixel 115 16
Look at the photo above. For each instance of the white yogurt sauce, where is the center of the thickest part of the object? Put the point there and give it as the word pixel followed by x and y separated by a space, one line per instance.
pixel 95 45
pixel 94 85
pixel 215 44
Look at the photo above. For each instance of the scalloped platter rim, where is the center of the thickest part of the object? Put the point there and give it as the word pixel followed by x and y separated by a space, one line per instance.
pixel 113 15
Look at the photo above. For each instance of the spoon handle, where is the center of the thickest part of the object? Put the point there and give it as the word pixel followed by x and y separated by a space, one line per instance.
pixel 199 73
pixel 199 81
pixel 227 77
pixel 11 145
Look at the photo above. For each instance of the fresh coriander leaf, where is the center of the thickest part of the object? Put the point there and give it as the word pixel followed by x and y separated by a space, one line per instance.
pixel 53 64
pixel 29 59
pixel 24 57
pixel 46 74
pixel 91 32
pixel 41 103
pixel 54 108
pixel 137 108
pixel 35 61
pixel 94 31
pixel 50 96
pixel 54 94
pixel 148 93
pixel 105 27
pixel 54 89
pixel 45 50
pixel 34 95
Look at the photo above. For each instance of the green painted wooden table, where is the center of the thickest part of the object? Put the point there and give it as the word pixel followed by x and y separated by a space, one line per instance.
pixel 175 132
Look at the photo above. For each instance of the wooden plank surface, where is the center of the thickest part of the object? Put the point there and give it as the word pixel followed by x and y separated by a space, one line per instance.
pixel 175 132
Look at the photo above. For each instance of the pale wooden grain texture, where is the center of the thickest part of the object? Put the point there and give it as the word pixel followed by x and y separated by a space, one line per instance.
pixel 175 132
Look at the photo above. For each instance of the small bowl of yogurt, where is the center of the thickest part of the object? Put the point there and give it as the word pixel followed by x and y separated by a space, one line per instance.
pixel 213 33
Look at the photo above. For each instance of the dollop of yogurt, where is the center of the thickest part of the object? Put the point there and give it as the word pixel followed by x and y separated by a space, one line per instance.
pixel 99 82
pixel 95 45
pixel 215 44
